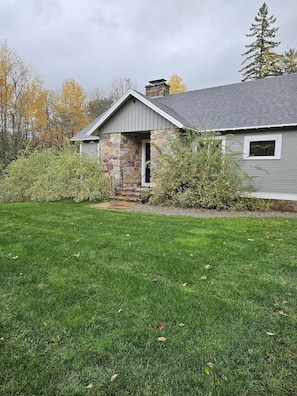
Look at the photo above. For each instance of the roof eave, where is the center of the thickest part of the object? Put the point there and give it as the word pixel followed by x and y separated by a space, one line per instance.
pixel 257 127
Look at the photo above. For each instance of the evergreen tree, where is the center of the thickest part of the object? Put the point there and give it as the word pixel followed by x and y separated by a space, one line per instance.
pixel 261 59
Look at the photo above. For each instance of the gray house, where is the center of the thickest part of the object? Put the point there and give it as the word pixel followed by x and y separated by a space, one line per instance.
pixel 256 118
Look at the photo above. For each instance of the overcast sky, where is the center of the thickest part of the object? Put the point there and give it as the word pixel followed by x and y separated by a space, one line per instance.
pixel 97 41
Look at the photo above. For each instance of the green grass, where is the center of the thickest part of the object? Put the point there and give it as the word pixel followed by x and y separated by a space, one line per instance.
pixel 82 291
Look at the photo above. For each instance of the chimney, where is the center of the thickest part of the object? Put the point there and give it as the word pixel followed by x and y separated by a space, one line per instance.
pixel 157 88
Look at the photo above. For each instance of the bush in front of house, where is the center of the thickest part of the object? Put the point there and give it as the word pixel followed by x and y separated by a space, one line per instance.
pixel 196 172
pixel 52 175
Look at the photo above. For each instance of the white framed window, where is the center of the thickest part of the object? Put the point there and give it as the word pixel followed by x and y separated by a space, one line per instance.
pixel 268 146
pixel 217 141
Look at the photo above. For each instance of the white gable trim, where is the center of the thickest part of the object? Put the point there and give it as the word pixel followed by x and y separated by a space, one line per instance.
pixel 141 98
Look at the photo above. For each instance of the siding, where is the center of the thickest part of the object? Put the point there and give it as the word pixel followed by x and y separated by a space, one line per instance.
pixel 134 116
pixel 91 150
pixel 276 175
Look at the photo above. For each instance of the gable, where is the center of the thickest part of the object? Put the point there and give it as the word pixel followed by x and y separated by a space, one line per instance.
pixel 134 116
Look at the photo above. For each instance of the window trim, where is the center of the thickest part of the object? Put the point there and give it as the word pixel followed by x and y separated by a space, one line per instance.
pixel 221 138
pixel 260 138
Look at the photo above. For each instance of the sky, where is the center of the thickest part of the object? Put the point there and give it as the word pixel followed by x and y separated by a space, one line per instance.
pixel 96 42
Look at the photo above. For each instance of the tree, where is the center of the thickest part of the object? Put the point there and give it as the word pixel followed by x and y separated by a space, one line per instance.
pixel 261 59
pixel 288 61
pixel 98 103
pixel 54 174
pixel 119 86
pixel 197 173
pixel 69 111
pixel 21 115
pixel 176 84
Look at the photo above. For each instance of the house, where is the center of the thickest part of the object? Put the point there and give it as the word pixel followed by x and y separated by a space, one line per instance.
pixel 257 118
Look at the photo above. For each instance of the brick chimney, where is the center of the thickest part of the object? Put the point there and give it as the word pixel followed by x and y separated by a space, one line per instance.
pixel 157 88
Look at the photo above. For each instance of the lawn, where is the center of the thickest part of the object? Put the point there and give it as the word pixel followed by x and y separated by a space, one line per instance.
pixel 98 302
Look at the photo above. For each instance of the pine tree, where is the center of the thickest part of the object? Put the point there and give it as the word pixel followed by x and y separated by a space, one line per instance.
pixel 261 59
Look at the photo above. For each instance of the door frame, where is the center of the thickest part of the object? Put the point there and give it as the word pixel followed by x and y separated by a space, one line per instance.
pixel 144 165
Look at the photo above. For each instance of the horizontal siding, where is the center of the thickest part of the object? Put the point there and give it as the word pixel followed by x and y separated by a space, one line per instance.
pixel 134 116
pixel 276 175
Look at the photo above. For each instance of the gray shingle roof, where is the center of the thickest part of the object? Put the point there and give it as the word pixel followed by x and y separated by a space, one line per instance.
pixel 83 134
pixel 268 102
pixel 258 103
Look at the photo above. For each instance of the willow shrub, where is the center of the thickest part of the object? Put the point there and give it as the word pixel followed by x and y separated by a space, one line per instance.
pixel 195 172
pixel 52 175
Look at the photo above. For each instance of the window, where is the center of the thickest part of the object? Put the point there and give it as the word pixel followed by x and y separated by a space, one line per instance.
pixel 262 147
pixel 216 142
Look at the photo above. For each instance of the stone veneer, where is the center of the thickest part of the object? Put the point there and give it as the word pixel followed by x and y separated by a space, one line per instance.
pixel 121 153
pixel 110 154
pixel 131 159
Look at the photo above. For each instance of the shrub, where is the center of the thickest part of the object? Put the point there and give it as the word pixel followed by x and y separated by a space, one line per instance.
pixel 53 175
pixel 197 173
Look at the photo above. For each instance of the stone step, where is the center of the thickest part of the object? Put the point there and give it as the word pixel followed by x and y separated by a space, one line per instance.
pixel 129 194
pixel 126 198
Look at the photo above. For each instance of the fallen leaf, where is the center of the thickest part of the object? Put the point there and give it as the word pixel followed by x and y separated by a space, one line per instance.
pixel 114 377
pixel 203 277
pixel 40 286
pixel 76 254
pixel 210 364
pixel 269 333
pixel 207 266
pixel 181 324
pixel 90 386
pixel 185 284
pixel 282 313
pixel 15 257
pixel 161 339
pixel 251 239
pixel 2 340
pixel 127 235
pixel 283 283
pixel 160 326
pixel 155 280
pixel 223 377
pixel 207 370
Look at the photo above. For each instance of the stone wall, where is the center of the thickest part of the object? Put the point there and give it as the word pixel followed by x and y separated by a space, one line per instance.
pixel 131 159
pixel 110 154
pixel 121 155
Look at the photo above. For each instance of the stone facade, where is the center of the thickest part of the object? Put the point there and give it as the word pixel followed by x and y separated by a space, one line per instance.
pixel 131 159
pixel 110 154
pixel 121 154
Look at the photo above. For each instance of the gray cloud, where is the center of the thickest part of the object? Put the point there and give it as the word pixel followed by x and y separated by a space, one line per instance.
pixel 95 41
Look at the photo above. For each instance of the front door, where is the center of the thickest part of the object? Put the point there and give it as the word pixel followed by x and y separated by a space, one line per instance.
pixel 145 163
